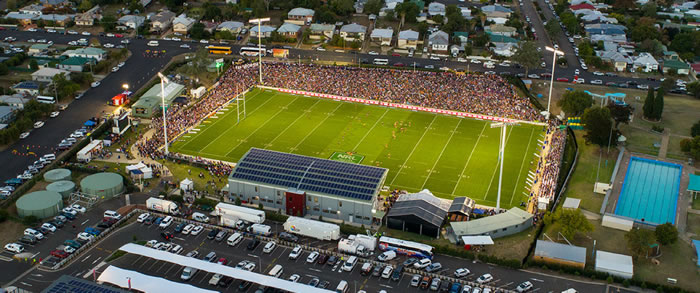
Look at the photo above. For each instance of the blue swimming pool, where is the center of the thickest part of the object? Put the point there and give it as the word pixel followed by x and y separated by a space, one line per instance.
pixel 650 191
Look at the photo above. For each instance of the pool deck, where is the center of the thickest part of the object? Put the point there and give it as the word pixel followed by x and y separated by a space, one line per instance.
pixel 684 200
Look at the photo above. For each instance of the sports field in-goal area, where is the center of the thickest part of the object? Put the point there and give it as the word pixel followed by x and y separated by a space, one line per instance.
pixel 450 156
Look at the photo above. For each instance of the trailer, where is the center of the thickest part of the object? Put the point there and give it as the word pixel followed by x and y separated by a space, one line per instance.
pixel 239 213
pixel 353 247
pixel 368 242
pixel 260 229
pixel 162 205
pixel 312 228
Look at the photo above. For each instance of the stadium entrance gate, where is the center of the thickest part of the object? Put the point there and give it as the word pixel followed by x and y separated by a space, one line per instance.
pixel 295 203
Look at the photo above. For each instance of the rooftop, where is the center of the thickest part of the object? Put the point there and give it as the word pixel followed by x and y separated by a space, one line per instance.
pixel 382 33
pixel 561 251
pixel 423 205
pixel 353 28
pixel 408 35
pixel 514 216
pixel 301 12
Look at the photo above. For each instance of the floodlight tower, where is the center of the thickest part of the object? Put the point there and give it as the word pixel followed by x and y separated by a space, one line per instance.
pixel 163 81
pixel 259 21
pixel 501 151
pixel 555 52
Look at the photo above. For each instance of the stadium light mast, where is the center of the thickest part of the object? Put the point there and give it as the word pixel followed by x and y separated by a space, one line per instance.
pixel 501 151
pixel 555 52
pixel 163 81
pixel 259 21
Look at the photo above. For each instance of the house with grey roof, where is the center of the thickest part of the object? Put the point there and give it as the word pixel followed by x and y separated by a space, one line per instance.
pixel 232 26
pixel 182 24
pixel 87 52
pixel 618 60
pixel 162 20
pixel 645 62
pixel 32 9
pixel 321 30
pixel 501 30
pixel 46 74
pixel 289 30
pixel 353 32
pixel 88 18
pixel 300 16
pixel 438 42
pixel 408 39
pixel 265 31
pixel 7 114
pixel 29 88
pixel 131 21
pixel 16 101
pixel 436 8
pixel 382 36
pixel 560 254
pixel 22 18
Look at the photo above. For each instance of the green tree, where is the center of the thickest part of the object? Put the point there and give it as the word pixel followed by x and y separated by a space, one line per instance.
pixel 439 19
pixel 33 65
pixel 585 49
pixel 571 222
pixel 693 147
pixel 620 113
pixel 553 28
pixel 648 108
pixel 197 31
pixel 694 89
pixel 373 7
pixel 174 5
pixel 4 69
pixel 666 233
pixel 108 22
pixel 599 126
pixel 527 55
pixel 659 104
pixel 649 9
pixel 342 7
pixel 85 5
pixel 407 11
pixel 211 11
pixel 695 130
pixel 575 102
pixel 639 240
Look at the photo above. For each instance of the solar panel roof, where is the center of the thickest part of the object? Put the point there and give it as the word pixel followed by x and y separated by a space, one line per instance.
pixel 70 284
pixel 310 174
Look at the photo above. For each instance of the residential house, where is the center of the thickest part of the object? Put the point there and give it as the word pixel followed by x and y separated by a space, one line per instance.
pixel 616 39
pixel 28 88
pixel 57 19
pixel 231 26
pixel 678 65
pixel 22 18
pixel 300 16
pixel 131 21
pixel 46 74
pixel 438 42
pixel 16 101
pixel 646 62
pixel 501 30
pixel 466 12
pixel 145 3
pixel 460 37
pixel 162 20
pixel 408 39
pixel 359 6
pixel 353 32
pixel 231 1
pixel 436 8
pixel 497 17
pixel 88 52
pixel 320 31
pixel 503 45
pixel 55 3
pixel 391 4
pixel 7 114
pixel 582 6
pixel 382 36
pixel 88 18
pixel 76 64
pixel 265 31
pixel 618 60
pixel 492 11
pixel 38 49
pixel 32 9
pixel 209 26
pixel 182 24
pixel 289 30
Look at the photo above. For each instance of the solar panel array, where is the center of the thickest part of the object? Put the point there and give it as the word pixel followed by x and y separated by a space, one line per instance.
pixel 309 173
pixel 68 284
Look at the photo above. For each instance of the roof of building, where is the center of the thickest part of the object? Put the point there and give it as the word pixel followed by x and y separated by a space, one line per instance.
pixel 694 182
pixel 88 51
pixel 76 61
pixel 289 28
pixel 68 283
pixel 410 35
pixel 353 28
pixel 14 99
pixel 423 205
pixel 384 33
pixel 172 90
pixel 321 27
pixel 696 243
pixel 299 11
pixel 183 19
pixel 645 58
pixel 263 29
pixel 40 47
pixel 32 7
pixel 142 282
pixel 4 110
pixel 514 216
pixel 496 8
pixel 230 25
pixel 28 85
pixel 561 251
pixel 310 174
pixel 163 16
pixel 614 56
pixel 502 39
pixel 462 205
pixel 56 17
pixel 460 34
pixel 677 64
pixel 131 18
pixel 439 38
pixel 19 15
pixel 500 28
pixel 614 262
pixel 48 72
pixel 436 7
pixel 582 6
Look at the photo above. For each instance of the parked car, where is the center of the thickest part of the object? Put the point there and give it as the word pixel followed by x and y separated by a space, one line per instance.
pixel 485 278
pixel 524 287
pixel 296 252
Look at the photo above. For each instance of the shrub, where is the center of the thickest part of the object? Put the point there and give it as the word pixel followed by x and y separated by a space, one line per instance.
pixel 30 220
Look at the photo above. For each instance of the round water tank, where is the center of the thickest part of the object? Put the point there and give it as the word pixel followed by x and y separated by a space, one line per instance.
pixel 57 175
pixel 42 204
pixel 102 185
pixel 64 187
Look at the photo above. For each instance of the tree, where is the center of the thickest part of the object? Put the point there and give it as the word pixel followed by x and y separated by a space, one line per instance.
pixel 11 4
pixel 342 7
pixel 695 130
pixel 649 9
pixel 666 233
pixel 3 69
pixel 407 11
pixel 33 65
pixel 174 5
pixel 659 104
pixel 598 126
pixel 575 102
pixel 527 55
pixel 691 146
pixel 620 113
pixel 439 19
pixel 639 240
pixel 373 7
pixel 624 4
pixel 85 5
pixel 197 31
pixel 571 221
pixel 585 49
pixel 108 22
pixel 553 28
pixel 694 89
pixel 648 108
pixel 211 11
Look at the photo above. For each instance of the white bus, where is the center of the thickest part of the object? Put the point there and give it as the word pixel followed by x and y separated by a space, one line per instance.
pixel 46 99
pixel 381 62
pixel 253 51
pixel 409 248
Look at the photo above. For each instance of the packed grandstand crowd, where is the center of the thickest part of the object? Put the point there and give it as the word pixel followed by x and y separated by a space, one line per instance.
pixel 548 169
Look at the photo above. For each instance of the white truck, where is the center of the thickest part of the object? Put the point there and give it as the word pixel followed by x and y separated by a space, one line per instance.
pixel 260 229
pixel 360 245
pixel 162 205
pixel 312 228
pixel 230 212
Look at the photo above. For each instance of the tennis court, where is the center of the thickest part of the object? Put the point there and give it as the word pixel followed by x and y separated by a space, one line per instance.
pixel 650 191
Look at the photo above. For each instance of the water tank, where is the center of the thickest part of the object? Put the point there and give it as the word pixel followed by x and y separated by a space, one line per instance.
pixel 42 204
pixel 64 187
pixel 102 185
pixel 57 175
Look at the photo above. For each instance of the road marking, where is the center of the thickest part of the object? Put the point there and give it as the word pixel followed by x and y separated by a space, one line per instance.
pixel 96 260
pixel 37 275
pixel 181 239
pixel 469 159
pixel 83 223
pixel 412 151
pixel 532 131
pixel 385 286
pixel 537 280
pixel 34 255
pixel 25 284
pixel 441 152
pixel 86 258
pixel 316 270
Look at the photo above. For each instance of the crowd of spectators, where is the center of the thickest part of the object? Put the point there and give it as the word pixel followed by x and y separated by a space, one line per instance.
pixel 548 169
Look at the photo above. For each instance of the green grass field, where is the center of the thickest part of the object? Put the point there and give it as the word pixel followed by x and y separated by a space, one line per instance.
pixel 450 156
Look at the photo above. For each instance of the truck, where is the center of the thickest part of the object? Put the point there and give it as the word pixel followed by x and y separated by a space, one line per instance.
pixel 162 205
pixel 280 53
pixel 312 228
pixel 230 212
pixel 260 229
pixel 360 245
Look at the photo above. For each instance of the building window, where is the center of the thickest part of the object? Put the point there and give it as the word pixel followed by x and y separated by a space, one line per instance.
pixel 316 199
pixel 340 203
pixel 279 202
pixel 505 229
pixel 308 198
pixel 367 218
pixel 308 208
pixel 316 209
pixel 256 189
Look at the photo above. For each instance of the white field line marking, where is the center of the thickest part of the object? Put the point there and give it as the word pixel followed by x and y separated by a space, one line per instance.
pixel 262 125
pixel 295 121
pixel 497 166
pixel 468 159
pixel 441 152
pixel 413 150
pixel 370 130
pixel 313 130
pixel 521 165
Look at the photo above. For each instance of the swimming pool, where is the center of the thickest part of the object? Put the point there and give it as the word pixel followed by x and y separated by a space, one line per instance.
pixel 650 191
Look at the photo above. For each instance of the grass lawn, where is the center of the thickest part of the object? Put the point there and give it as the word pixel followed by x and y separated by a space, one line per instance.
pixel 179 172
pixel 676 262
pixel 450 156
pixel 696 204
pixel 584 177
pixel 641 141
pixel 694 224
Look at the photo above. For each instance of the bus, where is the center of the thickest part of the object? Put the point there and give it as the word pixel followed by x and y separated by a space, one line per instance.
pixel 252 51
pixel 411 249
pixel 381 62
pixel 46 99
pixel 219 50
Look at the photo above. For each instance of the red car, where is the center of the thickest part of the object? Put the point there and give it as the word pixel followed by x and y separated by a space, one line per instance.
pixel 118 35
pixel 399 64
pixel 563 79
pixel 222 261
pixel 59 253
pixel 395 54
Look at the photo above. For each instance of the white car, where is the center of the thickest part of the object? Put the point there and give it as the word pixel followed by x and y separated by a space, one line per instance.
pixel 32 30
pixel 215 279
pixel 320 49
pixel 485 278
pixel 78 208
pixel 177 249
pixel 70 211
pixel 110 35
pixel 38 124
pixel 185 46
pixel 143 217
pixel 460 59
pixel 95 84
pixel 176 39
pixel 85 33
pixel 125 41
pixel 204 41
pixel 434 57
pixel 121 64
pixel 598 73
pixel 14 247
pixel 294 278
pixel 269 247
pixel 108 45
pixel 580 80
pixel 249 266
pixel 583 65
pixel 296 252
pixel 187 229
pixel 166 222
pixel 49 227
pixel 68 249
pixel 312 257
pixel 596 81
pixel 461 272
pixel 86 236
pixel 54 114
pixel 151 243
pixel 475 61
pixel 76 134
pixel 524 287
pixel 533 76
pixel 51 31
pixel 24 135
pixel 373 53
pixel 115 69
pixel 576 72
pixel 72 32
pixel 196 230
